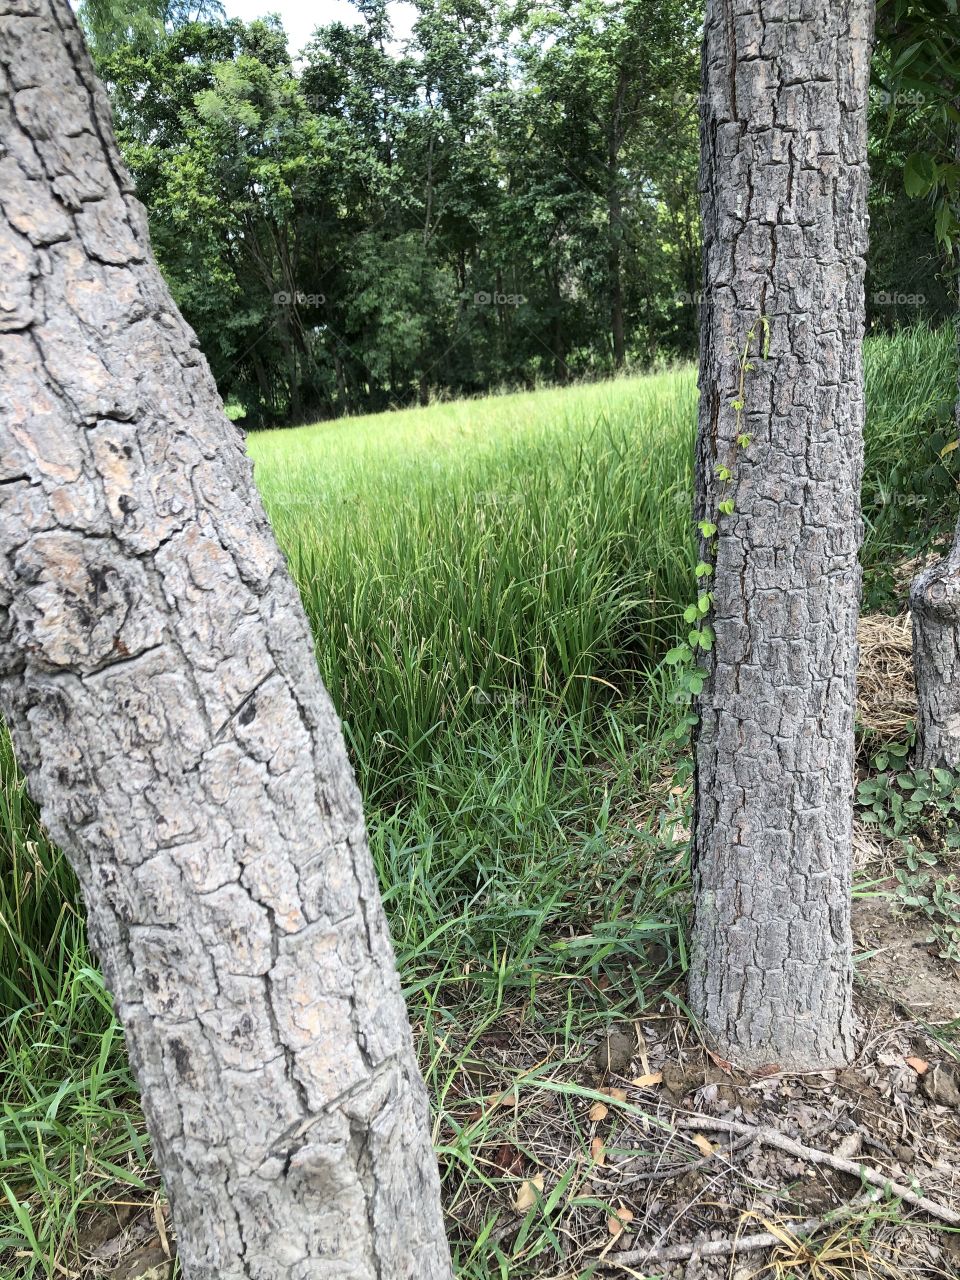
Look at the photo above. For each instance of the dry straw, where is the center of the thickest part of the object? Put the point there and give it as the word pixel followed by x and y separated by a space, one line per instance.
pixel 886 699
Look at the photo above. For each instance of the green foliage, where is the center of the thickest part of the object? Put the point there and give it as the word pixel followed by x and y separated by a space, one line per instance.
pixel 375 225
pixel 510 199
pixel 918 69
pixel 531 549
pixel 914 141
pixel 111 24
pixel 920 810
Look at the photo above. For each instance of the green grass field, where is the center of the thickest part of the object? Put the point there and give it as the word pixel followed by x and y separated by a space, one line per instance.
pixel 492 586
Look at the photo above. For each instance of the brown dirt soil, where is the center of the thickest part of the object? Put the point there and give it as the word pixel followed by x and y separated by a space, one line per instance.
pixel 650 1149
pixel 644 1169
pixel 897 959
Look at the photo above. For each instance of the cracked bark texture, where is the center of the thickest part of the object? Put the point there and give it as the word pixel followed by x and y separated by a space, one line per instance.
pixel 157 673
pixel 783 194
pixel 935 610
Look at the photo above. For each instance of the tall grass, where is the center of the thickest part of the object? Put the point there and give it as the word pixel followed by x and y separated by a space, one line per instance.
pixel 525 549
pixel 909 490
pixel 492 585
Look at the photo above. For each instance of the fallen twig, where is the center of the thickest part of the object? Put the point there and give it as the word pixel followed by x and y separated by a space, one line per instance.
pixel 771 1138
pixel 663 1172
pixel 698 1249
pixel 722 1248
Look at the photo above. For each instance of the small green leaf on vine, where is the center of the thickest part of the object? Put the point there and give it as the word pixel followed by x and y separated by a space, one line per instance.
pixel 707 528
pixel 703 570
pixel 726 507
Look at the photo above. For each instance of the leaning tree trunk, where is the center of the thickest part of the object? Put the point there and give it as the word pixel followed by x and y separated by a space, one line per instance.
pixel 935 609
pixel 783 185
pixel 157 672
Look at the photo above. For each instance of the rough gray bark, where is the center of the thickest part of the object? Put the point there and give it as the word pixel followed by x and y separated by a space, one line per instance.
pixel 783 190
pixel 157 672
pixel 935 611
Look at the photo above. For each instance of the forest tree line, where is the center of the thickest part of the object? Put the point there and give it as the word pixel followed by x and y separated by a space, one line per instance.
pixel 509 197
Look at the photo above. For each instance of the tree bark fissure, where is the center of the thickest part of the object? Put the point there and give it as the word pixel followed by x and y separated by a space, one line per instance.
pixel 157 673
pixel 783 190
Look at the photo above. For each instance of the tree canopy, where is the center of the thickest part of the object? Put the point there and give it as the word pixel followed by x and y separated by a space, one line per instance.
pixel 509 197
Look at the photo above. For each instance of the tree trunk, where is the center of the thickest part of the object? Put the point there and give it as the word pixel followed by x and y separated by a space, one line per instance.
pixel 935 608
pixel 615 134
pixel 159 679
pixel 783 186
pixel 617 323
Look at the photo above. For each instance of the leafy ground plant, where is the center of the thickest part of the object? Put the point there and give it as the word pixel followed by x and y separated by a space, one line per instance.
pixel 919 809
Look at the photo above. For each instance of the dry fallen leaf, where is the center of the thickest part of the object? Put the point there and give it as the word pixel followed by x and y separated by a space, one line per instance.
pixel 703 1145
pixel 620 1217
pixel 644 1082
pixel 502 1100
pixel 849 1147
pixel 722 1063
pixel 527 1195
pixel 509 1159
pixel 598 1112
pixel 767 1070
pixel 596 1151
pixel 919 1065
pixel 620 1095
pixel 161 1227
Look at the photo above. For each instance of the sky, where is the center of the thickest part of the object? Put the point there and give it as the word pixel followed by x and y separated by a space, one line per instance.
pixel 300 17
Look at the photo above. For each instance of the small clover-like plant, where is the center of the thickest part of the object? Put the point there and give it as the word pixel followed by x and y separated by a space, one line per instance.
pixel 919 811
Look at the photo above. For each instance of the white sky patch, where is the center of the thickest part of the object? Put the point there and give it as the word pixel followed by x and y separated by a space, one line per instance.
pixel 300 18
